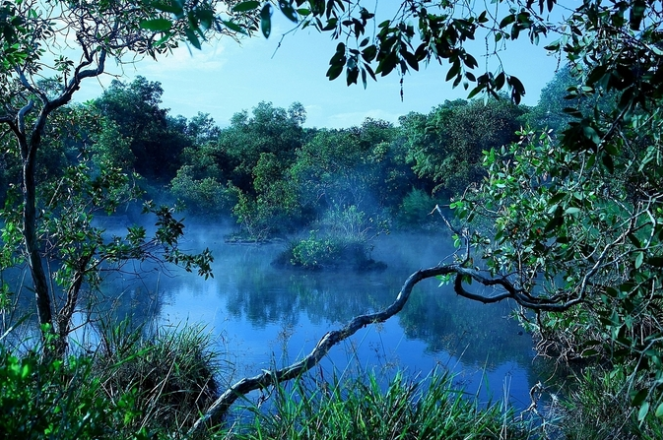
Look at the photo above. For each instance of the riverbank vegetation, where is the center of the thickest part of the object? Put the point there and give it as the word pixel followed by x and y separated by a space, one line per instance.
pixel 154 388
pixel 557 207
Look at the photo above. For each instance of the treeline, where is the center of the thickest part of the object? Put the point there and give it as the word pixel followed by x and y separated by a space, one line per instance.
pixel 271 173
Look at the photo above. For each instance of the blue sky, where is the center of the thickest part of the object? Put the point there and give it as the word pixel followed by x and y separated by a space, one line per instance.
pixel 227 77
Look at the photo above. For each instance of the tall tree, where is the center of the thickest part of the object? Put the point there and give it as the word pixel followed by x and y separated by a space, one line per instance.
pixel 31 31
pixel 267 129
pixel 447 145
pixel 155 138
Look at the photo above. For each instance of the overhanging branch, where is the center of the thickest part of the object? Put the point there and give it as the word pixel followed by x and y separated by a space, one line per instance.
pixel 218 409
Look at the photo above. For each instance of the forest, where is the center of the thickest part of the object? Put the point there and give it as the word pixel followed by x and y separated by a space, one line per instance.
pixel 555 207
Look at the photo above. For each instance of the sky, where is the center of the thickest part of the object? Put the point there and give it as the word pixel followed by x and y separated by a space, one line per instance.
pixel 226 77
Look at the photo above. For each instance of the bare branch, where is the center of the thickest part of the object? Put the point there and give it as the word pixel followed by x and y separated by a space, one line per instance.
pixel 218 409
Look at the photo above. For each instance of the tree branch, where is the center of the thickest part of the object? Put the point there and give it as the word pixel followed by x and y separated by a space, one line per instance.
pixel 218 409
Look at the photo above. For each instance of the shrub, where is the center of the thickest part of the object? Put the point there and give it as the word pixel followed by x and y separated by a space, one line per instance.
pixel 132 388
pixel 204 196
pixel 329 252
pixel 61 399
pixel 415 209
pixel 599 408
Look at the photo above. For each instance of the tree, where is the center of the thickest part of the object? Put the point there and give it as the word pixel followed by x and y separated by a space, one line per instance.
pixel 99 31
pixel 447 145
pixel 156 139
pixel 268 129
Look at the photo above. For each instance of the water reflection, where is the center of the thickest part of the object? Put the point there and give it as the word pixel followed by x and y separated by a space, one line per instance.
pixel 263 316
pixel 267 316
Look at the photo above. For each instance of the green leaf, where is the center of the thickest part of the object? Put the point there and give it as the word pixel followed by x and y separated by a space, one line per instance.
pixel 659 411
pixel 644 409
pixel 368 54
pixel 157 25
pixel 191 36
pixel 453 71
pixel 590 133
pixel 288 11
pixel 234 26
pixel 556 198
pixel 608 163
pixel 334 71
pixel 639 258
pixel 634 240
pixel 572 211
pixel 246 6
pixel 266 20
pixel 173 8
pixel 475 91
pixel 640 397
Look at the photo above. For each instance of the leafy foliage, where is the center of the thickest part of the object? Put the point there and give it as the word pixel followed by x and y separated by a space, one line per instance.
pixel 155 140
pixel 447 145
pixel 133 387
pixel 60 399
pixel 583 229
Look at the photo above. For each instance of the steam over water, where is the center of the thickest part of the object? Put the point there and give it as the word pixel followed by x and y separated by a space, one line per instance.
pixel 264 316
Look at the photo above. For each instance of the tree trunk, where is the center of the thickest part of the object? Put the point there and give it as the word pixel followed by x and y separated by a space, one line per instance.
pixel 42 294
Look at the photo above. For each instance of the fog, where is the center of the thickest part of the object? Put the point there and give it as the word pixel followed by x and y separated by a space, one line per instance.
pixel 261 316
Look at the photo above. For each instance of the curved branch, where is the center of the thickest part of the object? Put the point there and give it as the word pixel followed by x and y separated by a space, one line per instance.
pixel 218 409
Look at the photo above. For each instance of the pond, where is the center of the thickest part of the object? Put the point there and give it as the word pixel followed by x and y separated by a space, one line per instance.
pixel 262 316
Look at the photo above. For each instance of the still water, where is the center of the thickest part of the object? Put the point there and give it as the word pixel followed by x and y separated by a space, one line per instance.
pixel 262 317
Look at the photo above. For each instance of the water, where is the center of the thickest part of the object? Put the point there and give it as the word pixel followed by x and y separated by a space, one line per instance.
pixel 263 317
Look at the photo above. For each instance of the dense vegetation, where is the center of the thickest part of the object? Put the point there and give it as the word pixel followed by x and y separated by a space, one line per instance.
pixel 567 221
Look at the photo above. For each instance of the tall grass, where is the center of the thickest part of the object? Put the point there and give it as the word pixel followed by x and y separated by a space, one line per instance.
pixel 599 408
pixel 173 375
pixel 360 408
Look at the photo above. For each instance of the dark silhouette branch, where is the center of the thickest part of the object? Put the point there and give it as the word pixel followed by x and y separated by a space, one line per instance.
pixel 463 274
pixel 218 409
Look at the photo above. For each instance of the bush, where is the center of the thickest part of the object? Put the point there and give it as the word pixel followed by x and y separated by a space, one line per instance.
pixel 172 375
pixel 61 399
pixel 202 196
pixel 599 408
pixel 329 252
pixel 415 209
pixel 131 388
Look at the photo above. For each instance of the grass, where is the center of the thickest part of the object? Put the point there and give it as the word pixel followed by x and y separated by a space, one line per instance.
pixel 360 408
pixel 599 408
pixel 173 375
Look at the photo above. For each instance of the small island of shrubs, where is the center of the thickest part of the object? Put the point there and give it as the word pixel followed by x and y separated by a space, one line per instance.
pixel 328 252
